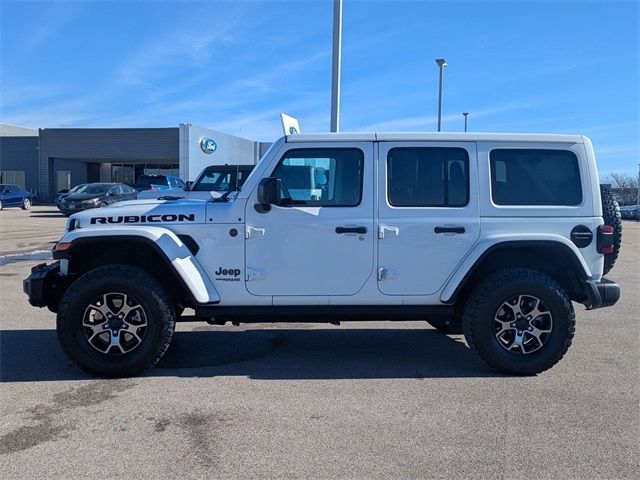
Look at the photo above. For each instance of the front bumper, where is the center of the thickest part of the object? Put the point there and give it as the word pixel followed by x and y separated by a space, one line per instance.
pixel 41 285
pixel 601 294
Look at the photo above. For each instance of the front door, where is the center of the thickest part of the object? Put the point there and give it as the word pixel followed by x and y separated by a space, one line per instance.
pixel 321 242
pixel 428 214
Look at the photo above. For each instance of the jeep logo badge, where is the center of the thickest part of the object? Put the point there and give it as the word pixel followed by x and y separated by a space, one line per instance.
pixel 227 274
pixel 207 145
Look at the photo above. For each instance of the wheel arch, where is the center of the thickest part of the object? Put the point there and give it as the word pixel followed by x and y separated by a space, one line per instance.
pixel 552 257
pixel 164 254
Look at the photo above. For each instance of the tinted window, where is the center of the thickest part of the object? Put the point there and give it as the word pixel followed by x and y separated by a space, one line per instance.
pixel 95 188
pixel 535 177
pixel 323 177
pixel 428 177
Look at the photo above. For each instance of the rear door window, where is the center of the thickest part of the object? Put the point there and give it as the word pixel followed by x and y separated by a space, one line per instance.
pixel 428 177
pixel 535 177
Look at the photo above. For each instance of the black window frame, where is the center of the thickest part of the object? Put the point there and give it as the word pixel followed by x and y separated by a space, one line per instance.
pixel 446 183
pixel 492 178
pixel 316 149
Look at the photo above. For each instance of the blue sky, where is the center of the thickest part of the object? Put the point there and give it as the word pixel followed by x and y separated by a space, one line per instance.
pixel 518 66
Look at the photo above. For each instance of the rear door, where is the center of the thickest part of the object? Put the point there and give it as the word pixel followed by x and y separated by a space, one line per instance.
pixel 14 197
pixel 428 213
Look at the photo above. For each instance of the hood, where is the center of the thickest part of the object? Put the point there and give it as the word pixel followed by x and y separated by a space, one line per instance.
pixel 152 212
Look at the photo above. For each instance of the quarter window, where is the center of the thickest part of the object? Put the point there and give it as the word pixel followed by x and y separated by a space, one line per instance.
pixel 535 177
pixel 428 177
pixel 322 177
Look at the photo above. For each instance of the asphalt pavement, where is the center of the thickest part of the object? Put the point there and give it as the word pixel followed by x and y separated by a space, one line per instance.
pixel 358 401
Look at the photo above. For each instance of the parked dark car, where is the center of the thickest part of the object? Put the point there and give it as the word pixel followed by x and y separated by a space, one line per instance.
pixel 63 193
pixel 14 196
pixel 158 182
pixel 95 195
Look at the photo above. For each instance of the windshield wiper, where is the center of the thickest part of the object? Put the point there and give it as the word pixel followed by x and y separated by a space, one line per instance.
pixel 225 195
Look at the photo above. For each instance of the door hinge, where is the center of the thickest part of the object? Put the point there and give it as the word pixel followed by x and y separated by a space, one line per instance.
pixel 391 230
pixel 254 274
pixel 253 231
pixel 387 274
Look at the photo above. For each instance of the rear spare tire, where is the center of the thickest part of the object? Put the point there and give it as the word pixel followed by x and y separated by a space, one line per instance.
pixel 612 217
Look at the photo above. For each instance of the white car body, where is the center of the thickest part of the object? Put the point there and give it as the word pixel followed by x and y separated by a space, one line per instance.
pixel 292 256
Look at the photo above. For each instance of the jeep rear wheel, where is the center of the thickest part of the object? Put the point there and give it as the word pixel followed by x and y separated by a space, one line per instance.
pixel 115 321
pixel 519 321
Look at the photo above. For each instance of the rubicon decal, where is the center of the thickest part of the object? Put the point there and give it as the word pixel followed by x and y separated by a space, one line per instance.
pixel 170 217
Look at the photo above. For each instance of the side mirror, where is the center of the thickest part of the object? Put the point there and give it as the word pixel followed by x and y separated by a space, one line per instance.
pixel 269 190
pixel 188 186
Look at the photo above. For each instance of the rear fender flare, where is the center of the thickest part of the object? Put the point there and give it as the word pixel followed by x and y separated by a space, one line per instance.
pixel 491 244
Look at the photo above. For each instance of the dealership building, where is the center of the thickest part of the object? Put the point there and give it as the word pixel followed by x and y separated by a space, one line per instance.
pixel 47 160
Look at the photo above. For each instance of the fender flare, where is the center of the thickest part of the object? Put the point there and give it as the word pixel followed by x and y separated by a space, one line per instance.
pixel 167 244
pixel 484 248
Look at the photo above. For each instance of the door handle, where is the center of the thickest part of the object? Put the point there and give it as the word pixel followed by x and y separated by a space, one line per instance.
pixel 361 230
pixel 449 230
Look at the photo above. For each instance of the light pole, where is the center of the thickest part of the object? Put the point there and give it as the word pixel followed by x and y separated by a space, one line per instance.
pixel 466 114
pixel 336 64
pixel 441 62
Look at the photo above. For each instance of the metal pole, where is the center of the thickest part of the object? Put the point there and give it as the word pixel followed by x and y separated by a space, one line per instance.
pixel 441 62
pixel 466 114
pixel 440 102
pixel 336 65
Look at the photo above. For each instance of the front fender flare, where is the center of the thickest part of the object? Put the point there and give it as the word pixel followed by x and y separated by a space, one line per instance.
pixel 489 244
pixel 167 244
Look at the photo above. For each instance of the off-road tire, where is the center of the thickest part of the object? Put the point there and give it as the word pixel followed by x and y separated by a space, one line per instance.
pixel 158 306
pixel 611 216
pixel 26 204
pixel 483 304
pixel 449 325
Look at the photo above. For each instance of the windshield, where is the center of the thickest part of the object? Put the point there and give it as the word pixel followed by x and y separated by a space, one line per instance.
pixel 145 181
pixel 78 188
pixel 216 179
pixel 96 188
pixel 273 146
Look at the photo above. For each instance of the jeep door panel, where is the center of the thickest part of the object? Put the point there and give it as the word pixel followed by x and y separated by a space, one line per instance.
pixel 323 243
pixel 428 213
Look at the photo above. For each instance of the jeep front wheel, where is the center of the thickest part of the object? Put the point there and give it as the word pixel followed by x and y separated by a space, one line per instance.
pixel 115 321
pixel 519 321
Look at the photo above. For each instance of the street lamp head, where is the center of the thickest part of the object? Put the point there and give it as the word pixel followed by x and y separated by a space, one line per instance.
pixel 465 113
pixel 441 62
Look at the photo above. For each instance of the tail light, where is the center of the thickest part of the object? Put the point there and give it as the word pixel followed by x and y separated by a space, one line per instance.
pixel 605 239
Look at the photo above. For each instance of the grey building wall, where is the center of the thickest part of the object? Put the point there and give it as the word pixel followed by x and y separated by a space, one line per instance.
pixel 20 153
pixel 102 145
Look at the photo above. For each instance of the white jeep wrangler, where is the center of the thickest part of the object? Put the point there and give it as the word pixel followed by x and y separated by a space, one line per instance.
pixel 490 235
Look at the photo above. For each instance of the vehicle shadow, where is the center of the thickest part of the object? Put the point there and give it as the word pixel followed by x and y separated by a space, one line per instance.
pixel 47 215
pixel 266 354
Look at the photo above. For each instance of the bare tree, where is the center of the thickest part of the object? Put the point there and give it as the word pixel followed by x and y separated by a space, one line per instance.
pixel 625 186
